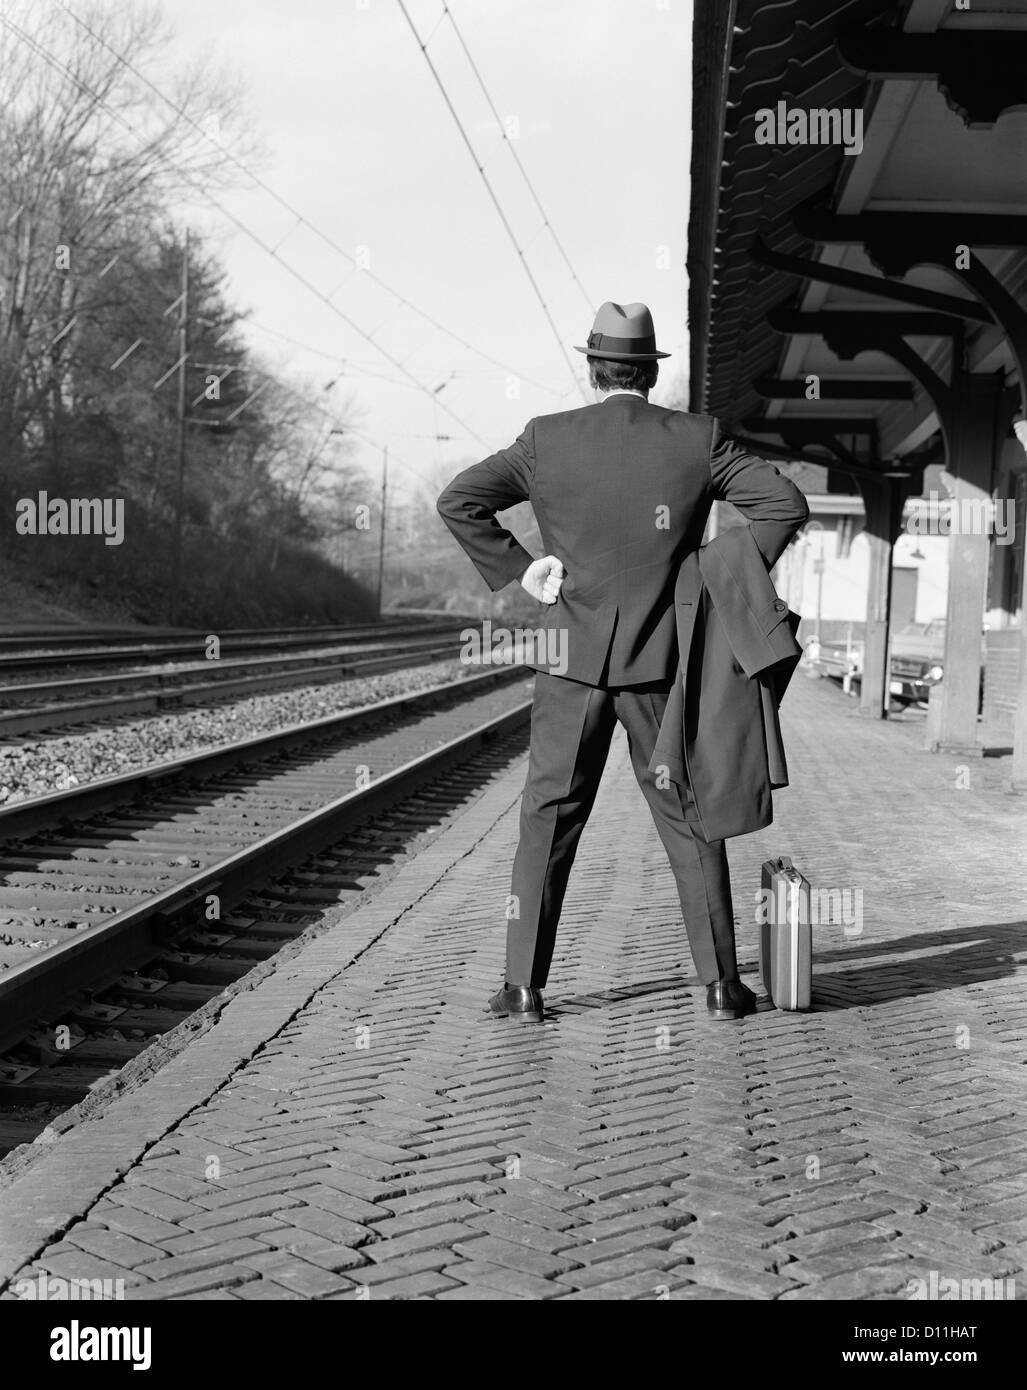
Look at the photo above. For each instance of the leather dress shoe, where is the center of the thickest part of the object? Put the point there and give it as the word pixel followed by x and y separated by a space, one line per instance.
pixel 519 1002
pixel 729 999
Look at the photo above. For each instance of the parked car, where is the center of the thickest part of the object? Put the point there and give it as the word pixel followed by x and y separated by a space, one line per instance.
pixel 840 660
pixel 916 660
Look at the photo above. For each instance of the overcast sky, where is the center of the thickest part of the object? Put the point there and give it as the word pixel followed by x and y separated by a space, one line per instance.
pixel 360 141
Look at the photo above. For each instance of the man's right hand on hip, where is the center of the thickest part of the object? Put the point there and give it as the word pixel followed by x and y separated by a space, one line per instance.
pixel 542 579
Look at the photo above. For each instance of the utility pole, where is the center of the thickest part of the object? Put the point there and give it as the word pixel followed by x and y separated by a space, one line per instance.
pixel 381 538
pixel 183 352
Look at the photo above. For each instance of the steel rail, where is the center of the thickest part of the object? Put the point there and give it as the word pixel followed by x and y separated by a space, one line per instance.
pixel 75 803
pixel 14 638
pixel 168 696
pixel 129 938
pixel 161 651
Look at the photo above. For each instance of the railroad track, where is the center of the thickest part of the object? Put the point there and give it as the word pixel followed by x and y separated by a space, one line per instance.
pixel 106 933
pixel 21 653
pixel 27 638
pixel 33 707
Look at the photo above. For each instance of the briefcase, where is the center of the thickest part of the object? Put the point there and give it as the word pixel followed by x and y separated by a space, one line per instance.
pixel 786 937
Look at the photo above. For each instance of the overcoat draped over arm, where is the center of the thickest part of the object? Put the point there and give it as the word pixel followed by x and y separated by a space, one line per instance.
pixel 720 735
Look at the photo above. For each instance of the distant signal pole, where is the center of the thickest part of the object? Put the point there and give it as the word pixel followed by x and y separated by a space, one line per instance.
pixel 183 353
pixel 381 538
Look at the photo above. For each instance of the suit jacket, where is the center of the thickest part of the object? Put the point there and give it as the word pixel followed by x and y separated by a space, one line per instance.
pixel 621 491
pixel 720 735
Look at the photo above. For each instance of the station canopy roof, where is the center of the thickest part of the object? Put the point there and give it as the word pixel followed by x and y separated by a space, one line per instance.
pixel 942 97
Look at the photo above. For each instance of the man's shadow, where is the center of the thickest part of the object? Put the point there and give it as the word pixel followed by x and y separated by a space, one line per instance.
pixel 962 956
pixel 959 956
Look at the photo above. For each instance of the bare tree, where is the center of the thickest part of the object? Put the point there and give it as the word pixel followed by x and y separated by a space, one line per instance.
pixel 90 156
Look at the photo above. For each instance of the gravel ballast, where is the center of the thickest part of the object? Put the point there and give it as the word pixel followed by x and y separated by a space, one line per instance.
pixel 38 765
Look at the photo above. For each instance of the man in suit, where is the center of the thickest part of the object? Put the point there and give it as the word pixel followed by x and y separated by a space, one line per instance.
pixel 621 491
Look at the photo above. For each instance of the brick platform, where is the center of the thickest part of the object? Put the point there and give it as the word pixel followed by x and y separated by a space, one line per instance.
pixel 357 1127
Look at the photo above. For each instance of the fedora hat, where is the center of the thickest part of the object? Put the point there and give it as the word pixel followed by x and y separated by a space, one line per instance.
pixel 623 333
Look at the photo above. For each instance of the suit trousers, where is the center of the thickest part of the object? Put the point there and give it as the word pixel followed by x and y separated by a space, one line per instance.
pixel 571 728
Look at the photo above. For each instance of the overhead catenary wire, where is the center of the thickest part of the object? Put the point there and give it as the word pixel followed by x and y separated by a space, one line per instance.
pixel 341 426
pixel 301 219
pixel 340 360
pixel 536 288
pixel 337 359
pixel 448 13
pixel 56 63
